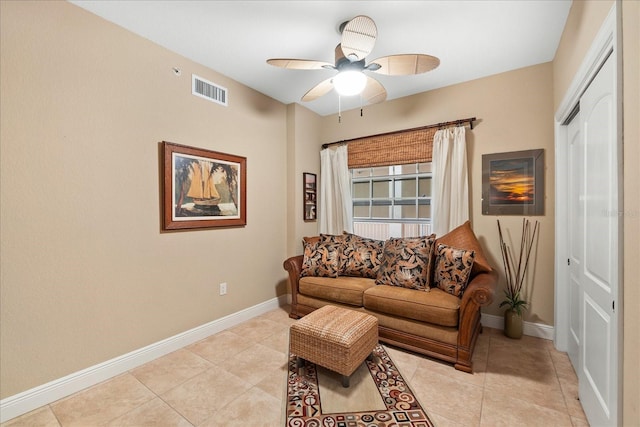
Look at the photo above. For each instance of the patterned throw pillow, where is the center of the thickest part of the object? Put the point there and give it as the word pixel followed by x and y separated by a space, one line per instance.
pixel 332 238
pixel 405 262
pixel 464 237
pixel 360 256
pixel 321 259
pixel 452 269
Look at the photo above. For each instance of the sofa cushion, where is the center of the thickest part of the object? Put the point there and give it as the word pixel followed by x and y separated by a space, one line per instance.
pixel 346 290
pixel 452 269
pixel 406 262
pixel 431 331
pixel 361 257
pixel 320 259
pixel 437 307
pixel 464 237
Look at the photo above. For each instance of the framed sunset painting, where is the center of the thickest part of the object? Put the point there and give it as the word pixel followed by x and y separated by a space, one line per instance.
pixel 513 183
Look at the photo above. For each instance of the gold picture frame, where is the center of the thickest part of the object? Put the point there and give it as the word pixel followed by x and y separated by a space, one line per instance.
pixel 203 188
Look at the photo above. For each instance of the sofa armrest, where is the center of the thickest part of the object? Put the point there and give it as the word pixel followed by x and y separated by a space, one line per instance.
pixel 479 293
pixel 293 266
pixel 480 290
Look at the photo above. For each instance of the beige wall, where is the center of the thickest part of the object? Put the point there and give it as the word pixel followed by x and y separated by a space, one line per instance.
pixel 86 273
pixel 631 290
pixel 303 152
pixel 514 111
pixel 583 23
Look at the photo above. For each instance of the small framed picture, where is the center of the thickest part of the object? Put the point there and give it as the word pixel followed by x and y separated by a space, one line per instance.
pixel 513 183
pixel 310 196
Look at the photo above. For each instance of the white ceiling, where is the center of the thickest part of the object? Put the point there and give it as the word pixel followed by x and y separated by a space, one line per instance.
pixel 473 39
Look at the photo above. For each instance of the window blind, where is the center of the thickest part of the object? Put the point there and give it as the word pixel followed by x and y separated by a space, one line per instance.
pixel 395 148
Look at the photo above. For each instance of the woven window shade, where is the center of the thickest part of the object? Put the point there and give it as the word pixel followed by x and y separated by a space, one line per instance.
pixel 397 148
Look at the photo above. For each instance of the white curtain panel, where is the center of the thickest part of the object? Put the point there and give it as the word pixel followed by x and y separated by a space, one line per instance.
pixel 335 215
pixel 450 180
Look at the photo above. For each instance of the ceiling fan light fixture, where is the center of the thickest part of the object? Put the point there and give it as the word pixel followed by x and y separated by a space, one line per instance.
pixel 349 83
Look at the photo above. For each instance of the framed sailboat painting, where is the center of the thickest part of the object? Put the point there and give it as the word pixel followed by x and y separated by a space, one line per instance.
pixel 203 188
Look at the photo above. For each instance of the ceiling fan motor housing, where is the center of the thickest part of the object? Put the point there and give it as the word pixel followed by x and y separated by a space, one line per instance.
pixel 343 63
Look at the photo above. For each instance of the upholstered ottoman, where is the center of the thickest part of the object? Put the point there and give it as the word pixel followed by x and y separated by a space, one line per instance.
pixel 336 338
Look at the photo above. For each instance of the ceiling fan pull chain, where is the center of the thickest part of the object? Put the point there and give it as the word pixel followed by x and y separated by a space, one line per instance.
pixel 339 109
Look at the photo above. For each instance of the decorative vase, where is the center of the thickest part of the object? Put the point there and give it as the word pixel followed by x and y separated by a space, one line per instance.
pixel 512 324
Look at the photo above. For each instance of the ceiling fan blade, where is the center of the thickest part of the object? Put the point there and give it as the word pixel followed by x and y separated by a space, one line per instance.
pixel 318 90
pixel 358 37
pixel 299 64
pixel 374 92
pixel 406 64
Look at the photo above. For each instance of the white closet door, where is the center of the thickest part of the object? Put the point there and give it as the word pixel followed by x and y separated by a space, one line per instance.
pixel 600 266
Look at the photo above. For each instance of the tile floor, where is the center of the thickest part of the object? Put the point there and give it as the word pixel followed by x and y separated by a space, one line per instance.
pixel 210 383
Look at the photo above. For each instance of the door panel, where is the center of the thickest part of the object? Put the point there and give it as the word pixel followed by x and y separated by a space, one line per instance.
pixel 576 236
pixel 597 322
pixel 598 372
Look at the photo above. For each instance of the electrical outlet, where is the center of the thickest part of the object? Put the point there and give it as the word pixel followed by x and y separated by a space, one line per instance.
pixel 223 288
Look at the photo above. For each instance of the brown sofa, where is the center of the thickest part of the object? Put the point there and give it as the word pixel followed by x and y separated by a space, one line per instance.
pixel 434 323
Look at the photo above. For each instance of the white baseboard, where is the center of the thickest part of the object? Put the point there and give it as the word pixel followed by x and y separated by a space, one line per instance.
pixel 34 398
pixel 528 328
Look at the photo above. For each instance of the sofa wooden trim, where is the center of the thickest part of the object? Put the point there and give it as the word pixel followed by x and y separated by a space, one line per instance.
pixel 479 293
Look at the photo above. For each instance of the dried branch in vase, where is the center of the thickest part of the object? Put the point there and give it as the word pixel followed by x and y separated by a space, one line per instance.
pixel 515 269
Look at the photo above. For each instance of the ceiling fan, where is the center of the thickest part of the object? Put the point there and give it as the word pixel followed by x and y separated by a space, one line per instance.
pixel 358 38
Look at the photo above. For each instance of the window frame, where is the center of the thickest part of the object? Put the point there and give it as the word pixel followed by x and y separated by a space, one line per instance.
pixel 396 202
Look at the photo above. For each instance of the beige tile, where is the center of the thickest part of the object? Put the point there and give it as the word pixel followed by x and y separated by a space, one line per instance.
pixel 481 351
pixel 278 341
pixel 154 413
pixel 199 398
pixel 103 402
pixel 280 315
pixel 253 408
pixel 171 370
pixel 508 353
pixel 275 383
pixel 524 365
pixel 504 409
pixel 566 372
pixel 477 378
pixel 255 363
pixel 220 347
pixel 570 393
pixel 447 397
pixel 545 393
pixel 531 371
pixel 579 422
pixel 499 339
pixel 563 366
pixel 441 421
pixel 42 417
pixel 258 329
pixel 406 362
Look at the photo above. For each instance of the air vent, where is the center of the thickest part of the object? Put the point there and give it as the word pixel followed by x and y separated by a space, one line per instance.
pixel 207 90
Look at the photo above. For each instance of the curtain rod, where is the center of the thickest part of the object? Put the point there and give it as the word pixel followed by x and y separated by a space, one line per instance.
pixel 470 120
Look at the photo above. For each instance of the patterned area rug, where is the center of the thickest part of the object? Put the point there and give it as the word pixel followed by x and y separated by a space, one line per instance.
pixel 304 406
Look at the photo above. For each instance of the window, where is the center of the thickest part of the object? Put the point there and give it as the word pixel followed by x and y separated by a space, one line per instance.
pixel 392 201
